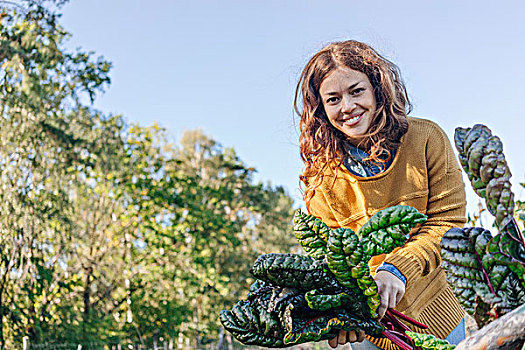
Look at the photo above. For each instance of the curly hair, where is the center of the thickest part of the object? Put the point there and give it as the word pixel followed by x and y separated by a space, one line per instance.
pixel 320 142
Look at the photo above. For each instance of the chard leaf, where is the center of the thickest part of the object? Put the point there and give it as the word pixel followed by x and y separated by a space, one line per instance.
pixel 295 271
pixel 322 302
pixel 507 248
pixel 311 233
pixel 280 317
pixel 461 250
pixel 480 272
pixel 324 326
pixel 253 325
pixel 429 342
pixel 481 156
pixel 349 263
pixel 389 228
pixel 505 258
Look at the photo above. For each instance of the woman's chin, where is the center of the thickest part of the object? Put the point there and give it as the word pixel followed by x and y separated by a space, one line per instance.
pixel 354 139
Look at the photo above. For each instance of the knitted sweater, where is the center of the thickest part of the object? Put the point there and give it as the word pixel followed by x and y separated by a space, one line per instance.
pixel 426 176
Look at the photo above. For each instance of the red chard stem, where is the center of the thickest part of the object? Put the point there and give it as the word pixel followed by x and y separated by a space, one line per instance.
pixel 408 319
pixel 394 339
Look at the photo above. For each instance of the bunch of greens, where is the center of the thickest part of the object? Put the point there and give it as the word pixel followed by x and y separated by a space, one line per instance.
pixel 298 299
pixel 486 272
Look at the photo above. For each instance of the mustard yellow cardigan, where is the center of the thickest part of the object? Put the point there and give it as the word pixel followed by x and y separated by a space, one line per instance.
pixel 425 175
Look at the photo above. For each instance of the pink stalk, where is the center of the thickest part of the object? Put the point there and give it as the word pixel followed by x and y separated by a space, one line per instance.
pixel 400 335
pixel 485 274
pixel 514 225
pixel 396 340
pixel 408 319
pixel 307 323
pixel 487 279
pixel 397 322
pixel 519 232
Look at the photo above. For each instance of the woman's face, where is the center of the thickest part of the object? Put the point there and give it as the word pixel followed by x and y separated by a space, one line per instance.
pixel 349 102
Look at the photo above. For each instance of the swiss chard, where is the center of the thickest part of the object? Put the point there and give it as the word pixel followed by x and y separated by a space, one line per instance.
pixel 487 273
pixel 311 233
pixel 481 156
pixel 298 299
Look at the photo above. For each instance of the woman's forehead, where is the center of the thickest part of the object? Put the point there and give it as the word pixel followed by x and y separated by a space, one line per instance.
pixel 342 78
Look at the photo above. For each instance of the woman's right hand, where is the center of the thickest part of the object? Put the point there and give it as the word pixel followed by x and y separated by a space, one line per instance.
pixel 346 337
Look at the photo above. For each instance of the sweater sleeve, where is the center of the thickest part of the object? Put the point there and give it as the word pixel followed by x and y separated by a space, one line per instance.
pixel 445 210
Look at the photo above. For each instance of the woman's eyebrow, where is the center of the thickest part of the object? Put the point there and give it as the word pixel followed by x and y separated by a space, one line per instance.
pixel 353 85
pixel 331 93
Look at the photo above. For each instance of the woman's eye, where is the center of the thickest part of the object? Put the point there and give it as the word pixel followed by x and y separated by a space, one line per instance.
pixel 357 91
pixel 332 99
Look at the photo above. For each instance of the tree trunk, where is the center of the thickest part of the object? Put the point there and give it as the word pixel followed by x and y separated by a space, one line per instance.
pixel 2 341
pixel 230 343
pixel 25 343
pixel 220 343
pixel 195 304
pixel 87 297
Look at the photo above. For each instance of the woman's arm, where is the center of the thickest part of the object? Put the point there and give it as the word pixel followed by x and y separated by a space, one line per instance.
pixel 445 210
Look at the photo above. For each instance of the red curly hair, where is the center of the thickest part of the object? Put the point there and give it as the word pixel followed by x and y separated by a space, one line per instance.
pixel 320 142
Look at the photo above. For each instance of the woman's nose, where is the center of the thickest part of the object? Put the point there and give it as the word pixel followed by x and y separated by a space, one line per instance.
pixel 348 105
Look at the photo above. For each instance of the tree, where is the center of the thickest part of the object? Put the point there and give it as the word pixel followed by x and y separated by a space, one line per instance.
pixel 108 232
pixel 43 130
pixel 226 222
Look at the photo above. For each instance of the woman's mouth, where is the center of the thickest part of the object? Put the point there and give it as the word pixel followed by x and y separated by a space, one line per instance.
pixel 351 121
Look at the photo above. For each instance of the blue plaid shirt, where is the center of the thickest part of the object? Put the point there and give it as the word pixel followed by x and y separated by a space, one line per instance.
pixel 357 165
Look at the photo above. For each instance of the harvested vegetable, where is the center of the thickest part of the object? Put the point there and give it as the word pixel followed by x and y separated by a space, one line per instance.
pixel 311 233
pixel 314 310
pixel 487 273
pixel 298 299
pixel 481 156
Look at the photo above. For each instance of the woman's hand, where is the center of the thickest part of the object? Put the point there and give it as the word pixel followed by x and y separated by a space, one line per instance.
pixel 346 337
pixel 391 290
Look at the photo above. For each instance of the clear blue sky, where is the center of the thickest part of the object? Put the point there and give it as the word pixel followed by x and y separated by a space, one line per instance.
pixel 230 67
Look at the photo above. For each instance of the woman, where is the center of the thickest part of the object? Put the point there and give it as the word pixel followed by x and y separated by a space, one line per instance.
pixel 362 153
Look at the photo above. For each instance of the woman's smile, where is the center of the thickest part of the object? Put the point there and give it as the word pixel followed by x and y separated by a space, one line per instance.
pixel 352 120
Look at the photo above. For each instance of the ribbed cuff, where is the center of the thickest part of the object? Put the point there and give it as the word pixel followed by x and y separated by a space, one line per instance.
pixel 393 270
pixel 408 267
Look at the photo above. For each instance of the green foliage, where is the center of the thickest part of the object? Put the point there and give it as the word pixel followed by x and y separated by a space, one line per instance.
pixel 481 278
pixel 298 299
pixel 108 231
pixel 311 233
pixel 481 155
pixel 429 342
pixel 293 271
pixel 487 273
pixel 389 228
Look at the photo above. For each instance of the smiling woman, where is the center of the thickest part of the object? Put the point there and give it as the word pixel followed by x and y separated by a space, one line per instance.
pixel 362 153
pixel 350 94
pixel 349 102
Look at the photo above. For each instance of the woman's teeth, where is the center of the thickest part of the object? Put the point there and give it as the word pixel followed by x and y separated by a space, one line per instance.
pixel 352 120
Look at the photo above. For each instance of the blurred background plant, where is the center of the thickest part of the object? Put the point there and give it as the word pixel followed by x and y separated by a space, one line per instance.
pixel 110 232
